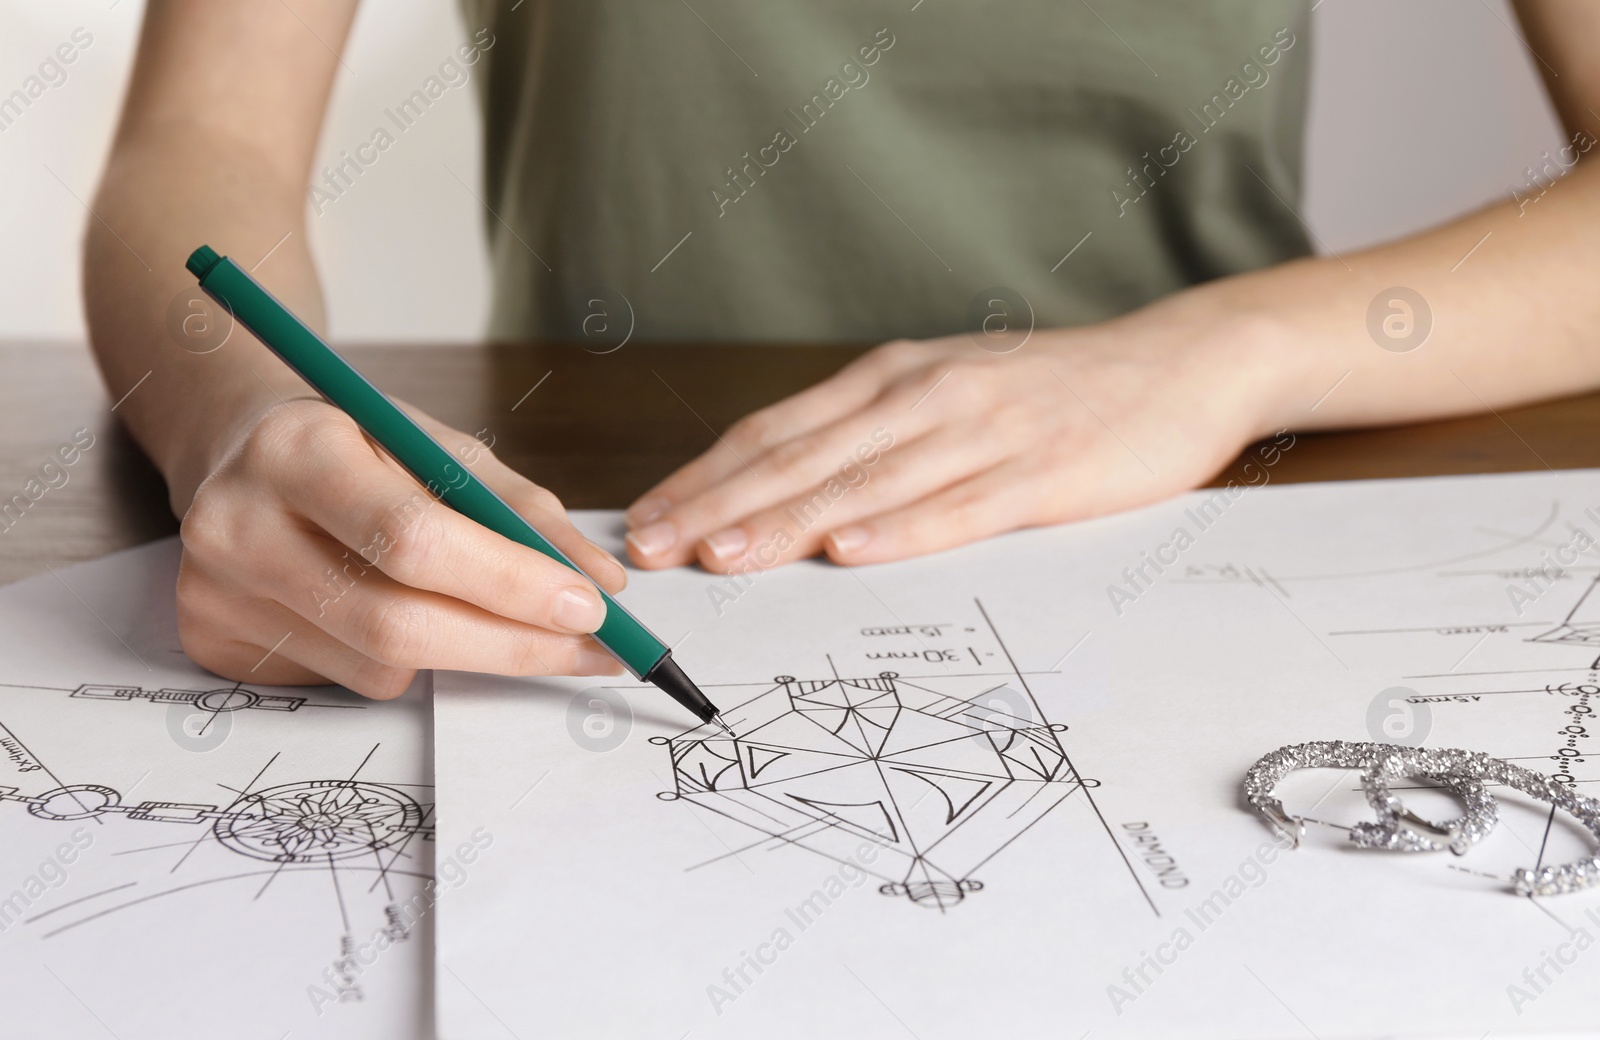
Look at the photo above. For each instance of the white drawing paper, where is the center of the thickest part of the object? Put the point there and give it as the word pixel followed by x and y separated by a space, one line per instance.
pixel 996 791
pixel 185 856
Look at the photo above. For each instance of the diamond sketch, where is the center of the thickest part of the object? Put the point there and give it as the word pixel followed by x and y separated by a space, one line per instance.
pixel 941 783
pixel 1582 623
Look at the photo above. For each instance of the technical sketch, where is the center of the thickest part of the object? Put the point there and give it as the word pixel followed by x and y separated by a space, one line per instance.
pixel 1581 625
pixel 941 783
pixel 232 698
pixel 181 847
pixel 315 821
pixel 344 826
pixel 1393 610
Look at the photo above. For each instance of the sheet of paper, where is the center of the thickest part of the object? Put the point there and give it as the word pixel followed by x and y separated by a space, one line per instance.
pixel 995 792
pixel 184 856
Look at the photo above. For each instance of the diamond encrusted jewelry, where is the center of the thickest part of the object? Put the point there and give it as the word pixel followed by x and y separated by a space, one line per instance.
pixel 1459 771
pixel 1569 877
pixel 1397 829
pixel 1466 774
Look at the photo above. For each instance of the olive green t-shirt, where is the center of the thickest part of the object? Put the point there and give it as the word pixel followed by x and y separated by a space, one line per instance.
pixel 858 170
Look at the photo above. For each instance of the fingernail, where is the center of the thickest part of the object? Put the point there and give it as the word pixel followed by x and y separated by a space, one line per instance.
pixel 847 540
pixel 595 662
pixel 579 610
pixel 646 510
pixel 726 544
pixel 654 539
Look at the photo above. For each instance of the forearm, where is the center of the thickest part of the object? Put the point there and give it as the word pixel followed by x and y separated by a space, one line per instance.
pixel 1509 289
pixel 215 141
pixel 162 196
pixel 1511 322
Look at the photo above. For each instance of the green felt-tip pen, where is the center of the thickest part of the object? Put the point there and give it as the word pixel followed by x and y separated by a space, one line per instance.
pixel 336 379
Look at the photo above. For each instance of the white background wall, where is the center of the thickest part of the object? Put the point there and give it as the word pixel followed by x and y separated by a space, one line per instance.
pixel 1420 110
pixel 434 259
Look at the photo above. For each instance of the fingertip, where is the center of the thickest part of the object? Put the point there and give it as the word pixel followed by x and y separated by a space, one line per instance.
pixel 608 571
pixel 646 510
pixel 848 544
pixel 579 609
pixel 639 559
pixel 651 545
pixel 646 563
pixel 384 683
pixel 724 563
pixel 725 546
pixel 614 577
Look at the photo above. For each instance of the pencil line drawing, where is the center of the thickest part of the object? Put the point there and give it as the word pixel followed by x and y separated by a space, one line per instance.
pixel 216 701
pixel 1581 625
pixel 347 826
pixel 941 784
pixel 311 821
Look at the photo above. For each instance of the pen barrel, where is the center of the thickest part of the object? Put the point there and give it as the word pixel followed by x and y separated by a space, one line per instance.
pixel 423 457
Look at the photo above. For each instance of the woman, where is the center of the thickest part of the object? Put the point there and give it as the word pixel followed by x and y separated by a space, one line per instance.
pixel 1104 192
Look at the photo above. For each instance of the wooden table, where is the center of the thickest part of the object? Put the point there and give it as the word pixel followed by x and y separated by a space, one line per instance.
pixel 599 429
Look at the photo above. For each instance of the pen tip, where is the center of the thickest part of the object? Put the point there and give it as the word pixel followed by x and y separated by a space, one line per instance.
pixel 719 720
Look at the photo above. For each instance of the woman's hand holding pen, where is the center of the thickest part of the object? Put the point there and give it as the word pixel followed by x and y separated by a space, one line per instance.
pixel 309 556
